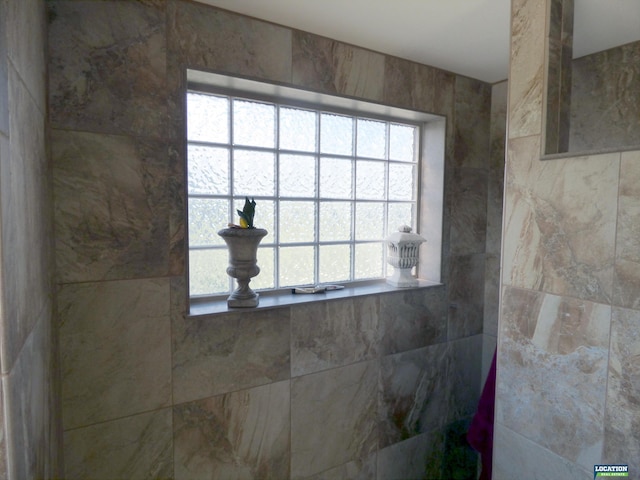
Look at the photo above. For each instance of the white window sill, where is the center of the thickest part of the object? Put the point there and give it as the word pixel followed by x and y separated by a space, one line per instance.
pixel 216 306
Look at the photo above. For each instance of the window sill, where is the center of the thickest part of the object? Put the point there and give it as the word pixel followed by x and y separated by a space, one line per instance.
pixel 270 300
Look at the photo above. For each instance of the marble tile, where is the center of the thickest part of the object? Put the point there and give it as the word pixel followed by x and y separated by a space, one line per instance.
pixel 211 39
pixel 627 276
pixel 419 457
pixel 466 295
pixel 333 418
pixel 135 447
pixel 4 467
pixel 356 470
pixel 622 418
pixel 465 379
pixel 332 334
pixel 472 123
pixel 25 209
pixel 225 353
pixel 469 211
pixel 329 66
pixel 107 66
pixel 4 72
pixel 177 216
pixel 243 434
pixel 111 206
pixel 26 30
pixel 409 84
pixel 552 372
pixel 413 319
pixel 29 416
pixel 489 345
pixel 495 188
pixel 491 295
pixel 528 21
pixel 517 457
pixel 560 222
pixel 605 99
pixel 115 349
pixel 414 393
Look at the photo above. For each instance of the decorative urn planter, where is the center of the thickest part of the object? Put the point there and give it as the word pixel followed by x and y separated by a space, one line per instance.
pixel 403 254
pixel 243 246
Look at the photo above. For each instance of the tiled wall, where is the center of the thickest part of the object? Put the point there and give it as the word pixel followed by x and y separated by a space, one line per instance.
pixel 29 420
pixel 605 99
pixel 371 387
pixel 568 344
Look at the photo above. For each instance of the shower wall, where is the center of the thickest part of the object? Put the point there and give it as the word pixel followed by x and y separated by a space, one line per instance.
pixel 568 346
pixel 369 387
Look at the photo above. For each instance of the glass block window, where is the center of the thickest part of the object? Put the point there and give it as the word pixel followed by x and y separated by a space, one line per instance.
pixel 329 187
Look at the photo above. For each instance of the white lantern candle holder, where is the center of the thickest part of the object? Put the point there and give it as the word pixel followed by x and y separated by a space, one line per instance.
pixel 403 253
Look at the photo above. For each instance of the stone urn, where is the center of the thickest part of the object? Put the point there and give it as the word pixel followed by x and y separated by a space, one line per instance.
pixel 403 254
pixel 243 246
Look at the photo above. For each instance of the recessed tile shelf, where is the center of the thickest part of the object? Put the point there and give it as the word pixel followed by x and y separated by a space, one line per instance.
pixel 279 299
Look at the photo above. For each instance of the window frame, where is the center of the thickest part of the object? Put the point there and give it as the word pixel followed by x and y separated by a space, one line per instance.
pixel 430 141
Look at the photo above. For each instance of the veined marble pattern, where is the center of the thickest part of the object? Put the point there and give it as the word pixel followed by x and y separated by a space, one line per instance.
pixel 560 222
pixel 212 39
pixel 25 209
pixel 108 67
pixel 465 379
pixel 627 269
pixel 333 333
pixel 334 67
pixel 111 206
pixel 115 349
pixel 553 370
pixel 528 19
pixel 472 127
pixel 136 447
pixel 225 353
pixel 409 84
pixel 356 470
pixel 333 418
pixel 521 458
pixel 466 295
pixel 605 99
pixel 469 211
pixel 414 393
pixel 243 435
pixel 622 419
pixel 419 457
pixel 414 319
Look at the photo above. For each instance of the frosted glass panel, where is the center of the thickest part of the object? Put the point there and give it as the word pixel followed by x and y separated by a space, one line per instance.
pixel 369 221
pixel 370 180
pixel 336 134
pixel 296 266
pixel 335 221
pixel 297 129
pixel 371 139
pixel 297 222
pixel 399 214
pixel 264 216
pixel 208 170
pixel 206 217
pixel 253 124
pixel 207 118
pixel 401 181
pixel 253 173
pixel 208 271
pixel 335 263
pixel 266 277
pixel 335 178
pixel 368 261
pixel 401 142
pixel 297 176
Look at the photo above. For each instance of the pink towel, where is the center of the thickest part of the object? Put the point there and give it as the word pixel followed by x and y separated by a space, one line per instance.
pixel 480 434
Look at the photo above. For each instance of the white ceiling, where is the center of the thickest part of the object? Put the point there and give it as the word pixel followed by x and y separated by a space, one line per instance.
pixel 469 37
